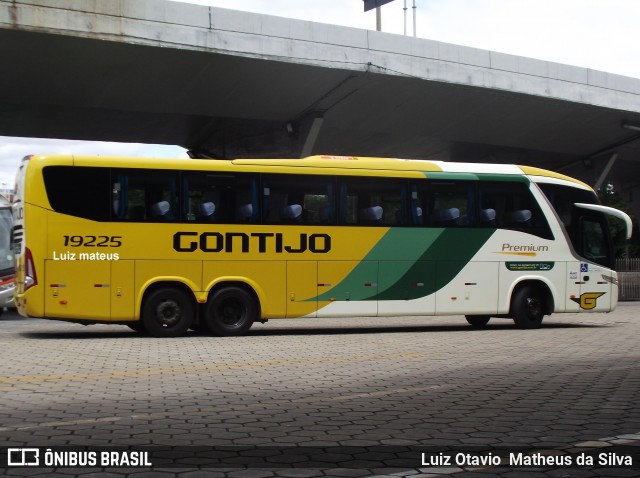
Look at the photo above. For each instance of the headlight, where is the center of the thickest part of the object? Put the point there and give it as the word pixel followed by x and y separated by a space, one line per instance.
pixel 6 285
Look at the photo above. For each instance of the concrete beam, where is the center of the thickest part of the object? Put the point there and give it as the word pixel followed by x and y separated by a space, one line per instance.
pixel 172 25
pixel 312 131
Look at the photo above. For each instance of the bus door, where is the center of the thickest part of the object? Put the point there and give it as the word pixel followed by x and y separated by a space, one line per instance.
pixel 595 247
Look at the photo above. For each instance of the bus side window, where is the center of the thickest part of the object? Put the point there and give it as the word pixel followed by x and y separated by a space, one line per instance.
pixel 295 199
pixel 511 205
pixel 373 201
pixel 247 201
pixel 487 217
pixel 201 198
pixel 140 196
pixel 451 203
pixel 219 197
pixel 418 204
pixel 79 191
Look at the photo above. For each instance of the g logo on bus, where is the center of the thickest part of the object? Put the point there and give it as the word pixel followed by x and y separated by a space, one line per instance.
pixel 588 300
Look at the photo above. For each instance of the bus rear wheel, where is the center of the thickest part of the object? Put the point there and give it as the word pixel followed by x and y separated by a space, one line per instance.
pixel 137 327
pixel 527 308
pixel 167 312
pixel 478 321
pixel 230 311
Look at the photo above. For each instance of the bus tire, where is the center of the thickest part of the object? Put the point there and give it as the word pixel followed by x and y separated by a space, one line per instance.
pixel 230 311
pixel 167 312
pixel 478 321
pixel 527 307
pixel 137 326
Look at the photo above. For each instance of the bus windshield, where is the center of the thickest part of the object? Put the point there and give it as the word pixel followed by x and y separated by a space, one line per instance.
pixel 586 227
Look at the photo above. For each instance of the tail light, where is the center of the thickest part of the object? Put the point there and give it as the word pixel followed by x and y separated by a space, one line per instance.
pixel 30 278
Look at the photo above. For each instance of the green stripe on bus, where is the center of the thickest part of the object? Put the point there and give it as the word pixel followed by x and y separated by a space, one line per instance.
pixel 513 178
pixel 403 244
pixel 423 263
pixel 451 176
pixel 438 265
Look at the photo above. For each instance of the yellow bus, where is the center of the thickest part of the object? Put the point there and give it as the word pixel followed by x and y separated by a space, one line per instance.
pixel 165 246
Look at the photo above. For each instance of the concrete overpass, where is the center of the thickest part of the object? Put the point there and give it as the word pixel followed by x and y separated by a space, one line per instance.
pixel 224 83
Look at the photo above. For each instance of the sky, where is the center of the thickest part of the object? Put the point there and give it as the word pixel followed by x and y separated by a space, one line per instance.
pixel 597 34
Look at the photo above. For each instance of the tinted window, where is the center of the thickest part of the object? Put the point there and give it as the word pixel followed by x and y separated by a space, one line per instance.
pixel 294 199
pixel 588 231
pixel 562 199
pixel 144 195
pixel 79 191
pixel 220 197
pixel 373 201
pixel 594 242
pixel 446 204
pixel 510 205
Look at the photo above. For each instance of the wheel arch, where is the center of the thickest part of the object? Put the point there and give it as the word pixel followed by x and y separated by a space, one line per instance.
pixel 546 288
pixel 158 283
pixel 231 309
pixel 246 284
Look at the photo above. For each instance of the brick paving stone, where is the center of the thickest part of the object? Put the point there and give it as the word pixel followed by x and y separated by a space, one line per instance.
pixel 570 473
pixel 332 384
pixel 299 473
pixel 99 474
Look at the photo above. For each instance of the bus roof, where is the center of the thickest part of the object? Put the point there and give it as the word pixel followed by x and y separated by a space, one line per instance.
pixel 338 165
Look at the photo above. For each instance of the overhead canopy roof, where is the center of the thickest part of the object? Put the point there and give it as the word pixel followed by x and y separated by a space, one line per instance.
pixel 233 84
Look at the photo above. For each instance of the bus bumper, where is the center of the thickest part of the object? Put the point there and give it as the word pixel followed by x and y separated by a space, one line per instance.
pixel 7 289
pixel 24 307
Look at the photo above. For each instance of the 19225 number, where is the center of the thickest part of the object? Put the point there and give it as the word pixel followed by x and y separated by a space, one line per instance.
pixel 93 241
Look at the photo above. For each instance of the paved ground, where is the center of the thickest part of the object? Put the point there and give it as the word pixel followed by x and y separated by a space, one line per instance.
pixel 351 397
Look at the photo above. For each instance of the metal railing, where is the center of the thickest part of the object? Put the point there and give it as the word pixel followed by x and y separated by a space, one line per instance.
pixel 628 278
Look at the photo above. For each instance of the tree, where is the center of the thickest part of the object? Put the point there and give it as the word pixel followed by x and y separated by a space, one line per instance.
pixel 623 247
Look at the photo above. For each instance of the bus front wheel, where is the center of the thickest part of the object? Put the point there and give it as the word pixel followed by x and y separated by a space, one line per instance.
pixel 230 311
pixel 167 312
pixel 527 308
